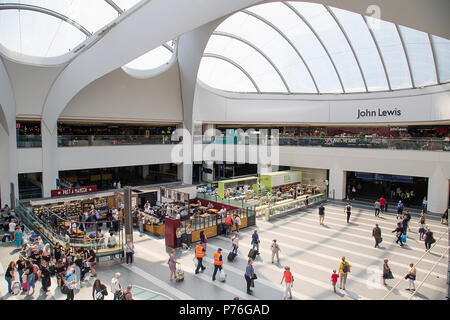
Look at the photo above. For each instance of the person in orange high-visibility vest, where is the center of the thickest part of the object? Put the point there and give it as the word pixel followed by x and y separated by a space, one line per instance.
pixel 218 262
pixel 199 254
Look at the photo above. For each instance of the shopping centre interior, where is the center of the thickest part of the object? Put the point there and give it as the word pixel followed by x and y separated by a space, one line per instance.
pixel 265 108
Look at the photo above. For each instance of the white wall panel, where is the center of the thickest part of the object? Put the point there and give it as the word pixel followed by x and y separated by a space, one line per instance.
pixel 75 158
pixel 118 96
pixel 427 104
pixel 29 160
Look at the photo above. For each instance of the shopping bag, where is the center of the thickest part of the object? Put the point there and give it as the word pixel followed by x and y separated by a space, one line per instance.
pixel 403 238
pixel 222 276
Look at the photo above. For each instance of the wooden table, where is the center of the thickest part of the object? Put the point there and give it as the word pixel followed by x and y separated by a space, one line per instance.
pixel 77 232
pixel 65 224
pixel 202 208
pixel 213 210
pixel 193 205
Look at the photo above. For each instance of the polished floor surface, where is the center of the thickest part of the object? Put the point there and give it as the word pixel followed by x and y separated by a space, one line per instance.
pixel 311 250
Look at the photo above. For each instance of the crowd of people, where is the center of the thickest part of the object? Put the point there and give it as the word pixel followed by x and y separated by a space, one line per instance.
pixel 68 266
pixel 71 265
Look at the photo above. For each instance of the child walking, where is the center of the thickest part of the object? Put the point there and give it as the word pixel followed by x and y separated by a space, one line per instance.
pixel 334 278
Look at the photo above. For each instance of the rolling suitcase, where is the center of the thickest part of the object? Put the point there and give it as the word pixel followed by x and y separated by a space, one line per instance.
pixel 231 256
pixel 252 254
pixel 179 274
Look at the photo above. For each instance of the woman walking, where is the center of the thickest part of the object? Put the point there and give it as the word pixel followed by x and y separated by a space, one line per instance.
pixel 18 237
pixel 235 243
pixel 57 252
pixel 70 283
pixel 99 290
pixel 67 259
pixel 45 256
pixel 10 275
pixel 411 276
pixel 387 273
pixel 172 264
pixel 189 235
pixel 141 222
pixel 29 272
pixel 429 239
pixel 45 275
pixel 60 270
pixel 21 265
pixel 289 280
pixel 422 229
pixel 275 250
pixel 178 235
pixel 203 239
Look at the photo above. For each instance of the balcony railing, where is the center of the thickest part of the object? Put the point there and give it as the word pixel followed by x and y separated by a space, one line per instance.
pixel 426 144
pixel 29 141
pixel 109 140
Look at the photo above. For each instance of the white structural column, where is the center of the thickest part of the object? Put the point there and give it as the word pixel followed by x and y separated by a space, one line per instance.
pixel 8 150
pixel 208 176
pixel 208 134
pixel 49 160
pixel 191 46
pixel 438 191
pixel 338 181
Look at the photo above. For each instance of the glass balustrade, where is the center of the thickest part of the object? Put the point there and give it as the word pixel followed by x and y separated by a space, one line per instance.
pixel 109 140
pixel 424 144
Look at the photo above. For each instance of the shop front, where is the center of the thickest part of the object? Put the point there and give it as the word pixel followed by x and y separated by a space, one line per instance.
pixel 368 186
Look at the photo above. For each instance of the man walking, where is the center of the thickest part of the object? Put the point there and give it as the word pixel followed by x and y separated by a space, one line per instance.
pixel 376 233
pixel 382 204
pixel 199 254
pixel 377 206
pixel 218 262
pixel 116 288
pixel 348 210
pixel 255 241
pixel 344 269
pixel 321 213
pixel 399 209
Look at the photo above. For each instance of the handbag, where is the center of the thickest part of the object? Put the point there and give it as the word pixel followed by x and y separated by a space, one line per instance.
pixel 254 277
pixel 410 276
pixel 390 275
pixel 65 289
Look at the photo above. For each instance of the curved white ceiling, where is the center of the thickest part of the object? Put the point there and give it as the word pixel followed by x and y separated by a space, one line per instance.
pixel 301 47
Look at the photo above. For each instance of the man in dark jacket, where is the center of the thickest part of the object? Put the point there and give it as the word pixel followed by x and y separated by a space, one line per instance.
pixel 376 233
pixel 399 231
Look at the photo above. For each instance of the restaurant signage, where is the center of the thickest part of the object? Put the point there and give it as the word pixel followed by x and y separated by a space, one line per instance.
pixel 72 191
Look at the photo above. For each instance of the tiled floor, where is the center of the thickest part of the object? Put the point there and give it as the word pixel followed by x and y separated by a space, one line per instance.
pixel 311 250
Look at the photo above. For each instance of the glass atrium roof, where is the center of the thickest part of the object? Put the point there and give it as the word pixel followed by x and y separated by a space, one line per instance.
pixel 301 47
pixel 50 28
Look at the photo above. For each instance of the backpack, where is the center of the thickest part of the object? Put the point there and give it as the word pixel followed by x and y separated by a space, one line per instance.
pixel 344 267
pixel 228 220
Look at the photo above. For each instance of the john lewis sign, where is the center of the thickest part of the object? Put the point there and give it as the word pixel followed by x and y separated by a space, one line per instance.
pixel 382 110
pixel 379 112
